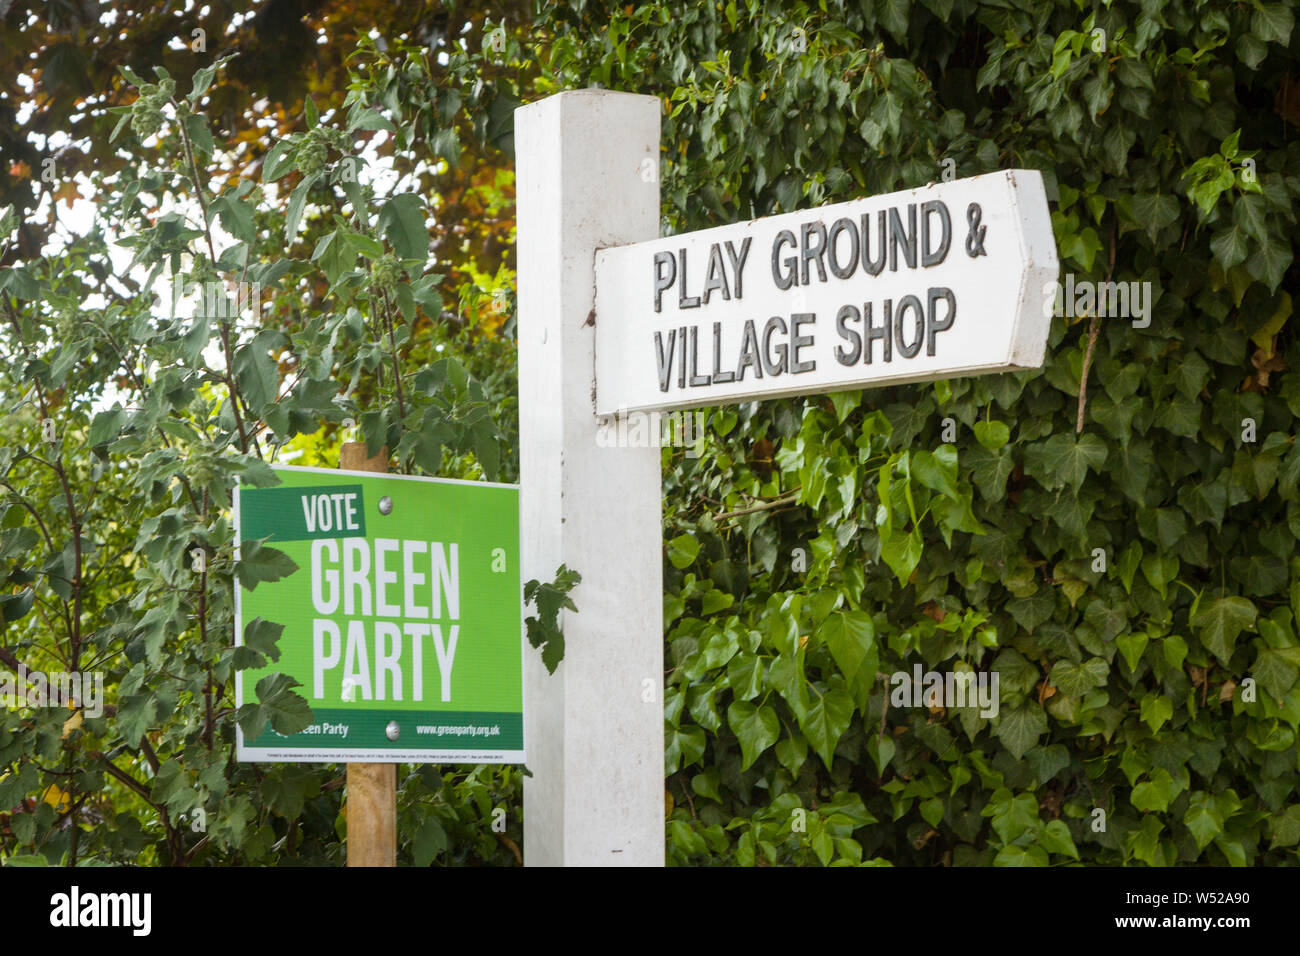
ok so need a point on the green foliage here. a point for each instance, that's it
(1123, 580)
(544, 629)
(129, 418)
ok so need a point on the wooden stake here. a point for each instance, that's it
(371, 787)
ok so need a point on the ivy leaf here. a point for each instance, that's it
(682, 550)
(1219, 623)
(1029, 612)
(989, 471)
(1154, 795)
(786, 675)
(992, 434)
(1154, 212)
(683, 746)
(745, 676)
(1132, 646)
(1077, 679)
(1107, 620)
(902, 553)
(849, 635)
(826, 721)
(1203, 818)
(1272, 23)
(1285, 826)
(1056, 839)
(937, 470)
(1276, 670)
(907, 421)
(1248, 212)
(1065, 459)
(755, 727)
(1229, 246)
(1012, 817)
(1020, 729)
(1155, 710)
(1270, 262)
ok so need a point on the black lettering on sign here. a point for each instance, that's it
(665, 358)
(738, 263)
(685, 301)
(933, 327)
(838, 228)
(781, 363)
(719, 376)
(697, 380)
(663, 280)
(899, 237)
(881, 333)
(847, 314)
(813, 251)
(912, 302)
(791, 275)
(749, 352)
(933, 257)
(798, 342)
(869, 265)
(681, 358)
(715, 278)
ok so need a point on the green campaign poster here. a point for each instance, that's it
(402, 622)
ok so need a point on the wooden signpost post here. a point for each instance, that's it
(948, 280)
(371, 787)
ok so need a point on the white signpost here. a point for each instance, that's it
(930, 283)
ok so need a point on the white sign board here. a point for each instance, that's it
(948, 280)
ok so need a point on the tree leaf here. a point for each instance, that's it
(259, 562)
(287, 711)
(297, 201)
(401, 222)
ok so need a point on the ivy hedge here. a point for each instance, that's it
(1114, 535)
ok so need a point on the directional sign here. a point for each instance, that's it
(938, 282)
(401, 622)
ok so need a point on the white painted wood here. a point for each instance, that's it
(587, 176)
(999, 323)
